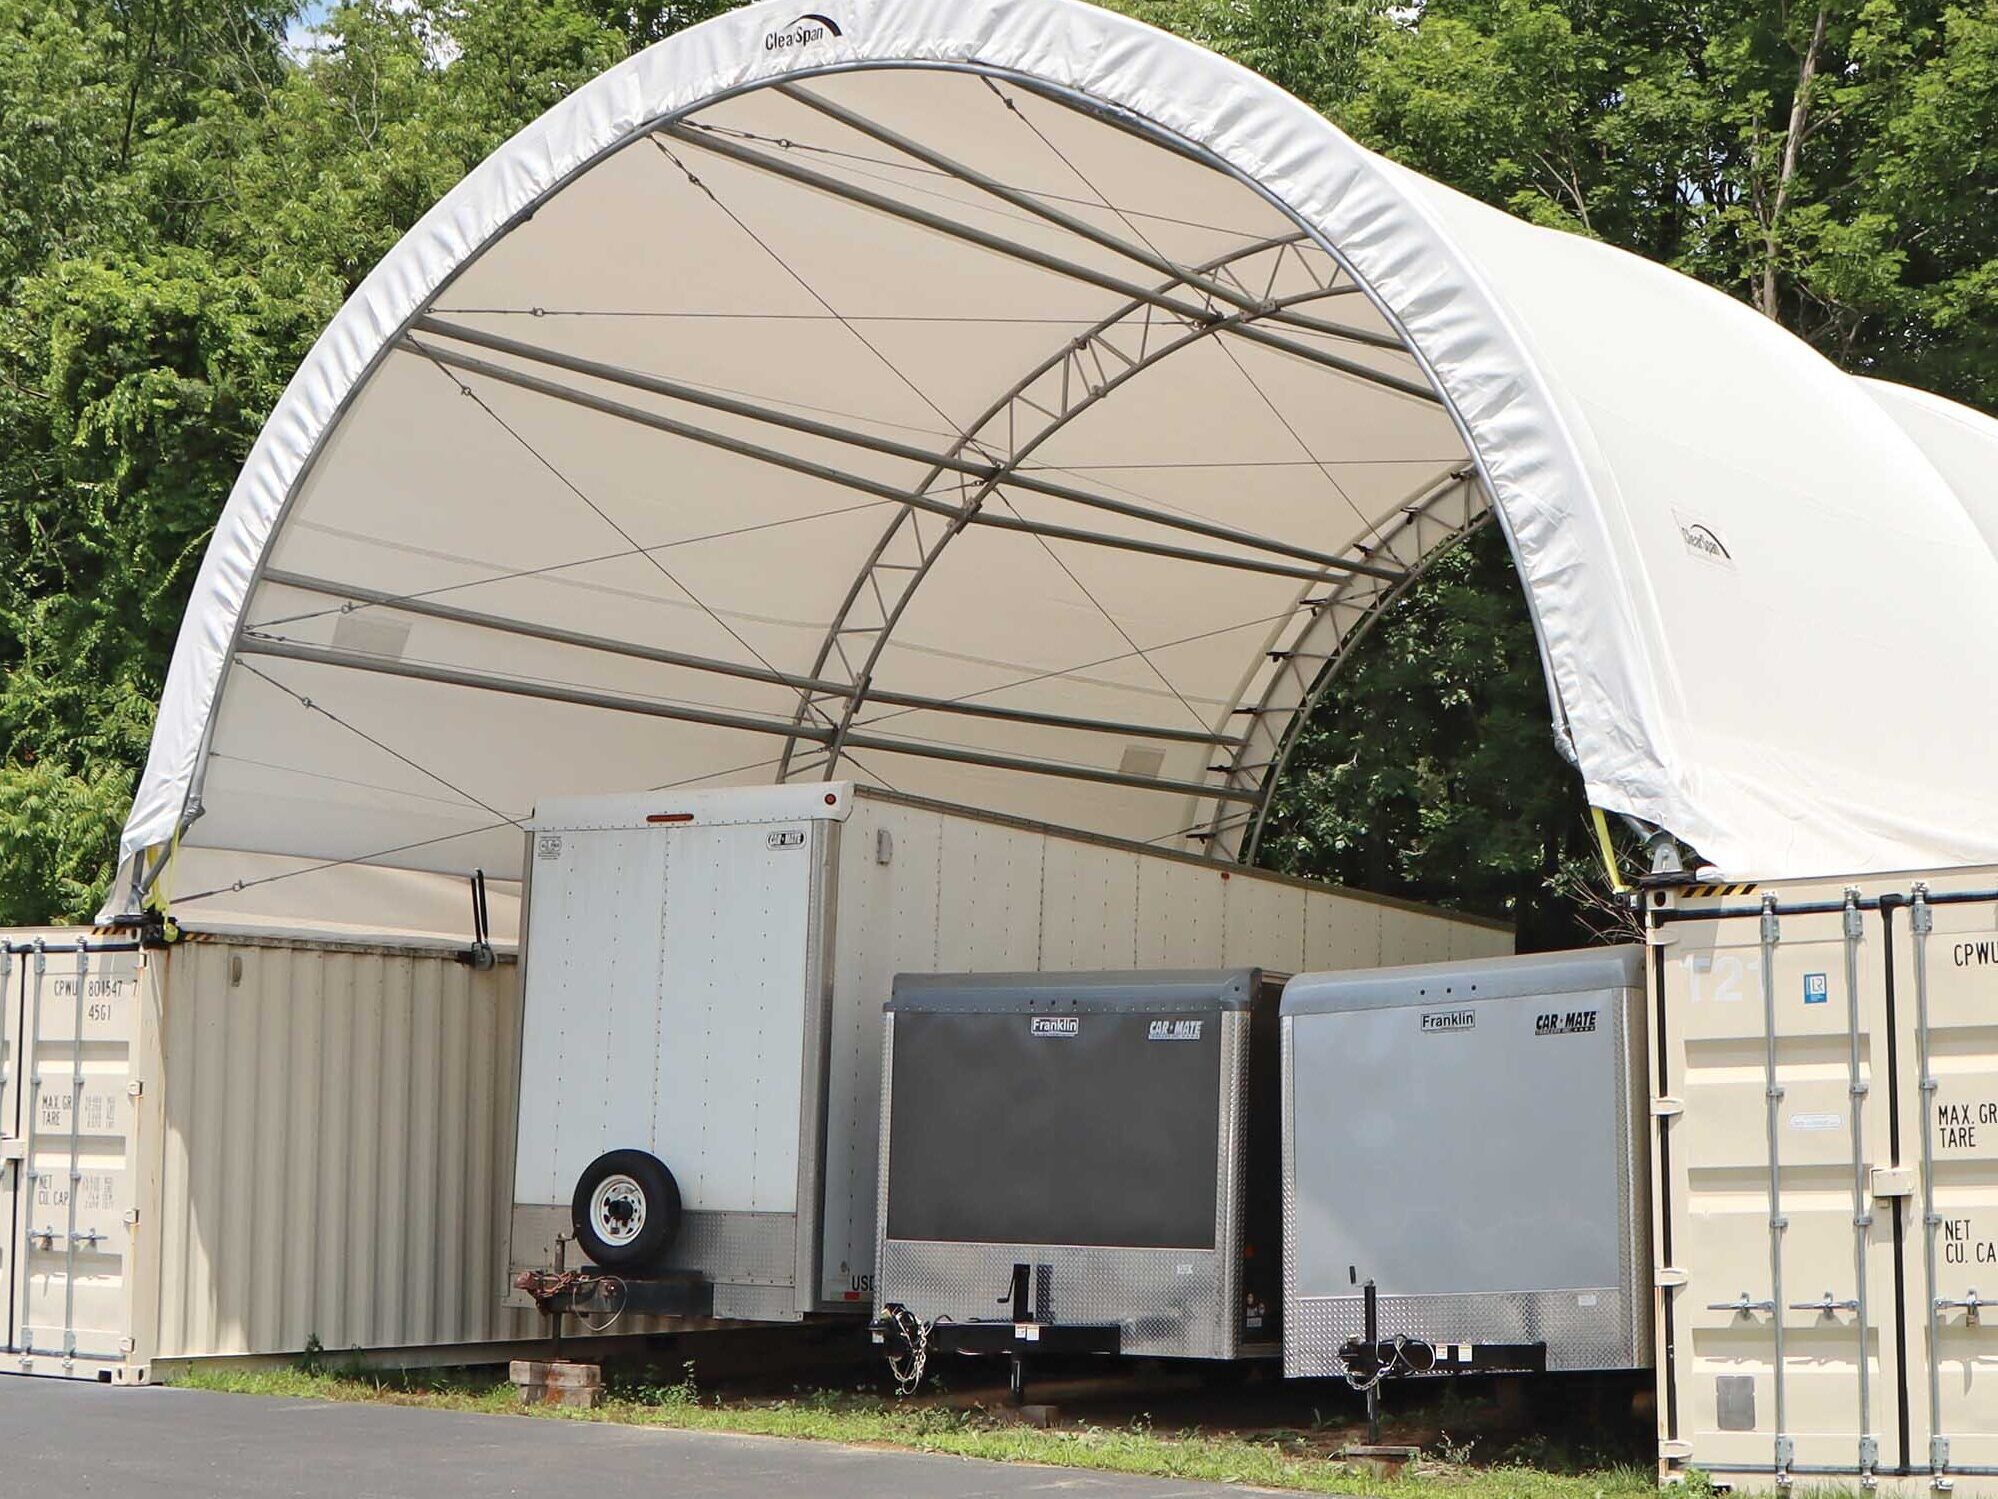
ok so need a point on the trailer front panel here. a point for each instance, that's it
(1099, 1132)
(1468, 1138)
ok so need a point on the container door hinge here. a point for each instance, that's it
(1675, 1449)
(1661, 936)
(131, 1217)
(1670, 1278)
(1667, 1108)
(134, 1088)
(1939, 1464)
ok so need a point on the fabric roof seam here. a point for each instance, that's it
(591, 698)
(1006, 474)
(1146, 255)
(320, 708)
(775, 677)
(739, 133)
(1047, 261)
(813, 469)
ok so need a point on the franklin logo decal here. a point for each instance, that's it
(809, 28)
(1054, 1025)
(1436, 1022)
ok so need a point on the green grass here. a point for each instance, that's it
(1281, 1461)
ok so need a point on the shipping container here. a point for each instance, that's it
(246, 1146)
(1101, 1148)
(1825, 1072)
(1467, 1139)
(705, 975)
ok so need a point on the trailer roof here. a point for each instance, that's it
(1007, 403)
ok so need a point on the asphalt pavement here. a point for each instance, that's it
(58, 1437)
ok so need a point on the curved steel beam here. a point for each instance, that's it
(1089, 367)
(1437, 516)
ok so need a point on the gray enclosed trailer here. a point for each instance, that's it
(1467, 1136)
(1082, 1161)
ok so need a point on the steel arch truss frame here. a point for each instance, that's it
(1425, 528)
(1075, 378)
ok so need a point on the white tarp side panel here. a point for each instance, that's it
(1960, 442)
(1740, 560)
(1012, 354)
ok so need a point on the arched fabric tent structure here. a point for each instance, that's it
(1011, 404)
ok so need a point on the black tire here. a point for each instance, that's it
(639, 1209)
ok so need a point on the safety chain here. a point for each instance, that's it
(906, 1368)
(1398, 1361)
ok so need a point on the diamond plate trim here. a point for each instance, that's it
(1167, 1301)
(1602, 1336)
(742, 1248)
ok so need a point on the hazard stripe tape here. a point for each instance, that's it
(1708, 892)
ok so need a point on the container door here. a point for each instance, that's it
(1947, 976)
(1778, 1269)
(72, 1020)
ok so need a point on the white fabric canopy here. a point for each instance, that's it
(1012, 404)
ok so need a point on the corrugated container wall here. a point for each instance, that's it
(334, 1127)
(279, 1142)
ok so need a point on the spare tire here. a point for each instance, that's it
(626, 1211)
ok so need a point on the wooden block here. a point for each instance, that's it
(567, 1376)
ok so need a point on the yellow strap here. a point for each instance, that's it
(1608, 851)
(160, 898)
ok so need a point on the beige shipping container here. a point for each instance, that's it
(1825, 1074)
(240, 1146)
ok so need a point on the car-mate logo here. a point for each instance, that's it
(1565, 1023)
(1173, 1030)
(1055, 1025)
(1437, 1021)
(809, 28)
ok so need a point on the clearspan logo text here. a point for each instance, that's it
(807, 29)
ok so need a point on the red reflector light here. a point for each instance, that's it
(853, 1295)
(671, 817)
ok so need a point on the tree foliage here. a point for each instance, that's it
(187, 194)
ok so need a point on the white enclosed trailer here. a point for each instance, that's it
(705, 974)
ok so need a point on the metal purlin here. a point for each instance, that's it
(1442, 512)
(1084, 371)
